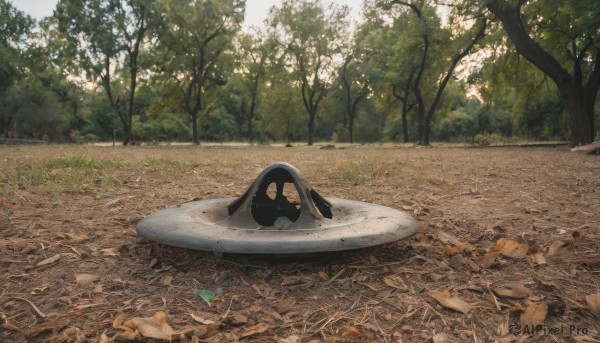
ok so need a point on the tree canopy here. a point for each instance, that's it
(413, 71)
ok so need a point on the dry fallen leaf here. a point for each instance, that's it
(151, 327)
(84, 279)
(397, 337)
(436, 277)
(515, 291)
(202, 320)
(394, 281)
(554, 248)
(488, 260)
(440, 338)
(534, 314)
(510, 248)
(323, 276)
(593, 301)
(458, 249)
(254, 330)
(105, 252)
(291, 280)
(49, 260)
(474, 266)
(5, 324)
(104, 339)
(445, 299)
(356, 334)
(72, 334)
(284, 305)
(166, 281)
(447, 238)
(235, 319)
(538, 258)
(75, 239)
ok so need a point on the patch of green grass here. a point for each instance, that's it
(213, 167)
(362, 171)
(59, 175)
(350, 172)
(78, 163)
(158, 164)
(167, 168)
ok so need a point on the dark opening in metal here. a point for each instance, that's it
(276, 199)
(321, 204)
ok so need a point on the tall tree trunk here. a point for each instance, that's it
(130, 106)
(240, 121)
(250, 129)
(311, 126)
(581, 114)
(405, 106)
(424, 136)
(351, 128)
(405, 121)
(195, 135)
(579, 99)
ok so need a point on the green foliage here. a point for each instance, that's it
(310, 38)
(162, 127)
(15, 27)
(561, 41)
(219, 125)
(341, 134)
(207, 295)
(171, 70)
(457, 124)
(192, 47)
(36, 111)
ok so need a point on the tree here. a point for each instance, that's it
(194, 49)
(36, 110)
(392, 63)
(513, 88)
(554, 40)
(254, 51)
(311, 38)
(105, 37)
(15, 26)
(464, 41)
(355, 84)
(134, 20)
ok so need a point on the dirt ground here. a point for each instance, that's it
(508, 248)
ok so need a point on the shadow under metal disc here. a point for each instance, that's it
(260, 223)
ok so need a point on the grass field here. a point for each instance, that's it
(507, 236)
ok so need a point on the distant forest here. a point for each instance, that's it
(473, 71)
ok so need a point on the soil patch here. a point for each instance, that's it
(508, 244)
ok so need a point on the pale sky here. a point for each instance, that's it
(256, 10)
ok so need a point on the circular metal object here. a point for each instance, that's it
(272, 218)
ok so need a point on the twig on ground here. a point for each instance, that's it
(336, 275)
(487, 286)
(37, 310)
(439, 314)
(228, 308)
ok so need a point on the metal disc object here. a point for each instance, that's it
(280, 213)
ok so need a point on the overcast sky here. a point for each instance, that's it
(256, 10)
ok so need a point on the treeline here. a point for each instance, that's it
(414, 71)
